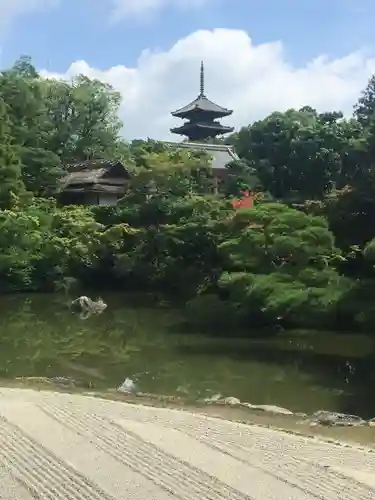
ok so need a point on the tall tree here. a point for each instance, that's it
(364, 110)
(25, 94)
(11, 185)
(25, 68)
(83, 119)
(297, 154)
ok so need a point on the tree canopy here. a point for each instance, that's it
(302, 256)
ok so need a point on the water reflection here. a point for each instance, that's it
(303, 371)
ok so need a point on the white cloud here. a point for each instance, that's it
(140, 8)
(9, 9)
(253, 80)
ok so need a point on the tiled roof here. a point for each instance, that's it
(214, 126)
(201, 103)
(221, 154)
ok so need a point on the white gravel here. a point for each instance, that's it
(70, 447)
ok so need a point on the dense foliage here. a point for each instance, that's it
(304, 255)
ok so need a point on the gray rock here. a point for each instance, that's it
(371, 422)
(273, 409)
(86, 306)
(248, 405)
(63, 381)
(128, 386)
(212, 399)
(231, 401)
(330, 418)
(268, 408)
(301, 414)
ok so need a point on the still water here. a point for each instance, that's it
(302, 371)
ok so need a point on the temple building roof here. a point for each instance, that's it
(221, 154)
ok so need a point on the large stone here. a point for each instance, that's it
(231, 401)
(128, 386)
(212, 399)
(332, 418)
(269, 408)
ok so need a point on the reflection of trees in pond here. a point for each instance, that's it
(40, 337)
(36, 340)
(361, 399)
(352, 378)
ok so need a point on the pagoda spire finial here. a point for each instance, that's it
(202, 80)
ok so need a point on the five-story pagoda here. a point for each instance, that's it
(202, 115)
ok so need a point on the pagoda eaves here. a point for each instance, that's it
(200, 131)
(202, 104)
(201, 114)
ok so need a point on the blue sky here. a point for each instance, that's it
(82, 29)
(260, 56)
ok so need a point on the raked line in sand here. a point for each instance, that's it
(72, 447)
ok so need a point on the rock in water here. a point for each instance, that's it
(86, 306)
(128, 386)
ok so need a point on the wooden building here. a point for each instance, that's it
(94, 182)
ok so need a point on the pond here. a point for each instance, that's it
(302, 371)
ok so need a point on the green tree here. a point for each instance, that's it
(11, 185)
(176, 246)
(240, 176)
(364, 110)
(25, 68)
(279, 268)
(161, 179)
(296, 154)
(272, 237)
(55, 122)
(24, 92)
(83, 119)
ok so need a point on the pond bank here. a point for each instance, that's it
(363, 435)
(354, 435)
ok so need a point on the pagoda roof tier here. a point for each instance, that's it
(201, 130)
(202, 104)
